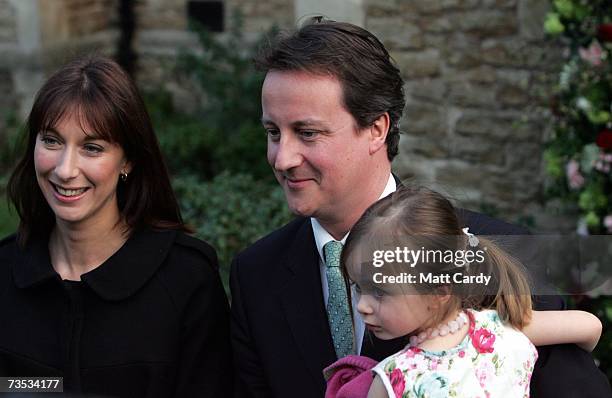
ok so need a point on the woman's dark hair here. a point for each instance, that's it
(98, 93)
(371, 83)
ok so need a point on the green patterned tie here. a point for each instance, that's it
(338, 312)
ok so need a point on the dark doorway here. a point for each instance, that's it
(207, 13)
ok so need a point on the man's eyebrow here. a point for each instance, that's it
(309, 123)
(299, 123)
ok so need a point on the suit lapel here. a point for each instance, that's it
(302, 300)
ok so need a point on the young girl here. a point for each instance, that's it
(469, 335)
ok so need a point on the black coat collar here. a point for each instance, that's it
(117, 278)
(398, 182)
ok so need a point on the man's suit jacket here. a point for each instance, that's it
(281, 339)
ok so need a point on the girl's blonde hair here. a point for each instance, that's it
(417, 212)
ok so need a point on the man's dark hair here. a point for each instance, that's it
(371, 83)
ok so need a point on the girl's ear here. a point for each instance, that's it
(441, 297)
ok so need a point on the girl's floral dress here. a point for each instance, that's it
(493, 360)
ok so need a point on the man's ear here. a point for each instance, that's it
(378, 132)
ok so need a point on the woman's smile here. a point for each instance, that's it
(70, 195)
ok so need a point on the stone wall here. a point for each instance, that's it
(8, 30)
(477, 72)
(162, 34)
(477, 75)
(259, 16)
(161, 14)
(36, 36)
(68, 20)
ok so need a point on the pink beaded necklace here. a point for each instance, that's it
(441, 330)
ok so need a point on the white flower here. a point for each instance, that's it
(583, 104)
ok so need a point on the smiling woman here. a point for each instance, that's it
(101, 285)
(77, 173)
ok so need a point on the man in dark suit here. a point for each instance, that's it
(331, 101)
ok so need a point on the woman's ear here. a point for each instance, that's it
(127, 167)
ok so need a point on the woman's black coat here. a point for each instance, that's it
(151, 321)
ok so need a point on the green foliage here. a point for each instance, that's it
(579, 155)
(10, 148)
(231, 211)
(8, 216)
(224, 132)
(11, 142)
(592, 198)
(554, 163)
(577, 19)
(187, 144)
(578, 158)
(553, 25)
(225, 72)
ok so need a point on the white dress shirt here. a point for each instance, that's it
(321, 238)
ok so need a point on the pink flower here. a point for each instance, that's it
(607, 221)
(483, 340)
(397, 382)
(412, 351)
(592, 54)
(461, 354)
(575, 180)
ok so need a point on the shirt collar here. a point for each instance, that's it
(322, 237)
(117, 278)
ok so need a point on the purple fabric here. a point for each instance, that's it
(349, 377)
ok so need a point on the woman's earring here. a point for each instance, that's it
(123, 175)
